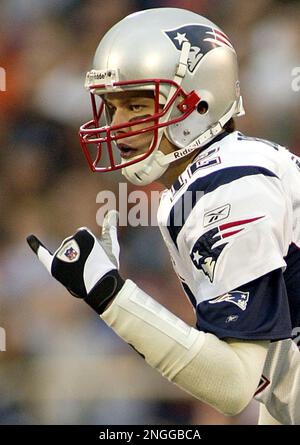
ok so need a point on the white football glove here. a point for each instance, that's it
(86, 266)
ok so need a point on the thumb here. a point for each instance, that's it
(110, 220)
(110, 234)
(43, 254)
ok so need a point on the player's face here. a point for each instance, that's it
(129, 106)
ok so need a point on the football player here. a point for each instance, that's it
(166, 83)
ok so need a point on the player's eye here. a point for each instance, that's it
(136, 108)
(111, 109)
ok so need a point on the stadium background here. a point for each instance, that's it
(62, 365)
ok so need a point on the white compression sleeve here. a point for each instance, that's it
(222, 374)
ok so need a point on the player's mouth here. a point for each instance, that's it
(126, 151)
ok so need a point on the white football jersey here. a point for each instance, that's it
(231, 223)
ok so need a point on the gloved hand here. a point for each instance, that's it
(86, 266)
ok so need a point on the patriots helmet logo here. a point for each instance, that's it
(202, 39)
(236, 297)
(208, 248)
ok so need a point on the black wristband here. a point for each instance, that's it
(104, 291)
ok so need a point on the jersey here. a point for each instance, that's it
(231, 223)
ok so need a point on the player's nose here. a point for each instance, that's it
(119, 117)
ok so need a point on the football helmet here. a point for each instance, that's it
(191, 67)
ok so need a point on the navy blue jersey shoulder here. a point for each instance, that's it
(203, 185)
(258, 310)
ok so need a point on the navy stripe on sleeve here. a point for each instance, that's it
(201, 186)
(258, 310)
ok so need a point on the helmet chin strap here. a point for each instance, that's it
(157, 163)
(149, 170)
(236, 109)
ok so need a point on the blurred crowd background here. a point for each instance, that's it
(61, 364)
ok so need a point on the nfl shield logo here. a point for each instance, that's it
(71, 253)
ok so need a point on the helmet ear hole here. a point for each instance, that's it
(202, 107)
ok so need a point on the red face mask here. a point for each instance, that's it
(96, 140)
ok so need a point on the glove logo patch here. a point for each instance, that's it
(70, 252)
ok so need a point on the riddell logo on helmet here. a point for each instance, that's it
(107, 76)
(180, 154)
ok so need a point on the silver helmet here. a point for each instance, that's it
(191, 67)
